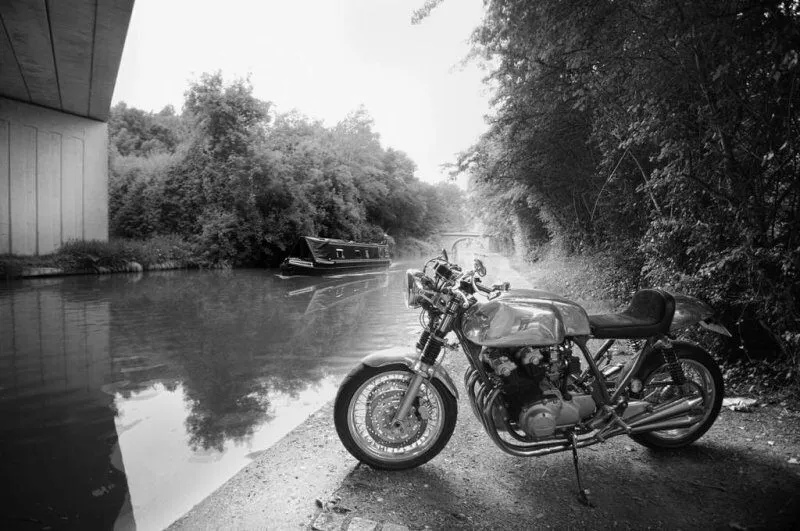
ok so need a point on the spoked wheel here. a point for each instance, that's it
(703, 379)
(364, 411)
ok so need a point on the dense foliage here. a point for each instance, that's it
(244, 183)
(663, 133)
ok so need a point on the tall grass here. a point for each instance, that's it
(77, 255)
(118, 252)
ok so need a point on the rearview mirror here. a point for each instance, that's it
(479, 268)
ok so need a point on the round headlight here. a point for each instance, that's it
(413, 288)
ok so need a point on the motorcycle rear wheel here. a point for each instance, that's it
(365, 405)
(698, 367)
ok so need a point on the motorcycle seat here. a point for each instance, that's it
(649, 313)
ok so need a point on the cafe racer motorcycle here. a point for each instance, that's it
(529, 389)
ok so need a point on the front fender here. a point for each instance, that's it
(400, 355)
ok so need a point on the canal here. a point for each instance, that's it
(127, 399)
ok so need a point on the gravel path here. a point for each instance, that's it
(740, 475)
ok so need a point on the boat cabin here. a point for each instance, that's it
(312, 255)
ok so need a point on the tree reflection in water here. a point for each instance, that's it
(230, 337)
(99, 371)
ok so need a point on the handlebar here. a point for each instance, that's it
(476, 283)
(491, 292)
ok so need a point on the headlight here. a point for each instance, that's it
(413, 291)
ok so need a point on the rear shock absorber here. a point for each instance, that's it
(675, 368)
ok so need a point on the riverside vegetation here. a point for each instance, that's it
(229, 182)
(659, 139)
(242, 182)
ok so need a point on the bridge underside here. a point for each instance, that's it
(58, 67)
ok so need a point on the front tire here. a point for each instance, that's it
(698, 367)
(365, 404)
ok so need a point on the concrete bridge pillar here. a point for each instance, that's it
(53, 179)
(58, 67)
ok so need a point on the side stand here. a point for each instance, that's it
(583, 494)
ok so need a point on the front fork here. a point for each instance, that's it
(430, 346)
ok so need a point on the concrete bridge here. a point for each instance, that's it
(58, 67)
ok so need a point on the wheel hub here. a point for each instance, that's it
(381, 408)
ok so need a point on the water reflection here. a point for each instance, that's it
(124, 400)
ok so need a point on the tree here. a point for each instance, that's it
(661, 132)
(245, 188)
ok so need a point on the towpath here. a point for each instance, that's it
(743, 474)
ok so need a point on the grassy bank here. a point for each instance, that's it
(117, 254)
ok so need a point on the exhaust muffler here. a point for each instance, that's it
(681, 407)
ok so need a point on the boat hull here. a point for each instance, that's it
(293, 266)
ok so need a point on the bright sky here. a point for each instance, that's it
(324, 58)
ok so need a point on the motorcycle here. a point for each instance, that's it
(526, 385)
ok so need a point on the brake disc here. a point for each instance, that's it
(382, 404)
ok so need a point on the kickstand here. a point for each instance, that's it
(583, 494)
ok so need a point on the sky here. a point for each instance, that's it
(323, 58)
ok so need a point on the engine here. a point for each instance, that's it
(535, 386)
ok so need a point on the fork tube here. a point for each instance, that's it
(408, 398)
(428, 362)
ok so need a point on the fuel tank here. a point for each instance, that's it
(524, 317)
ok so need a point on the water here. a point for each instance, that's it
(126, 399)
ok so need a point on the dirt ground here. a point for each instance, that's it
(736, 477)
(743, 474)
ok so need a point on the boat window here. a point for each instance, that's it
(366, 253)
(358, 253)
(339, 253)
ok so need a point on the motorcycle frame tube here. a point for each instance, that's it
(603, 349)
(472, 352)
(595, 370)
(637, 364)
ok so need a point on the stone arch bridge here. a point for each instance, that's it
(452, 242)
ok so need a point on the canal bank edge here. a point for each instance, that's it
(129, 267)
(279, 489)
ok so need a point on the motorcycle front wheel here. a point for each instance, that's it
(364, 410)
(703, 373)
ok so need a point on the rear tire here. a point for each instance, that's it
(699, 367)
(365, 404)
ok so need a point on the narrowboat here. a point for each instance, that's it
(325, 256)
